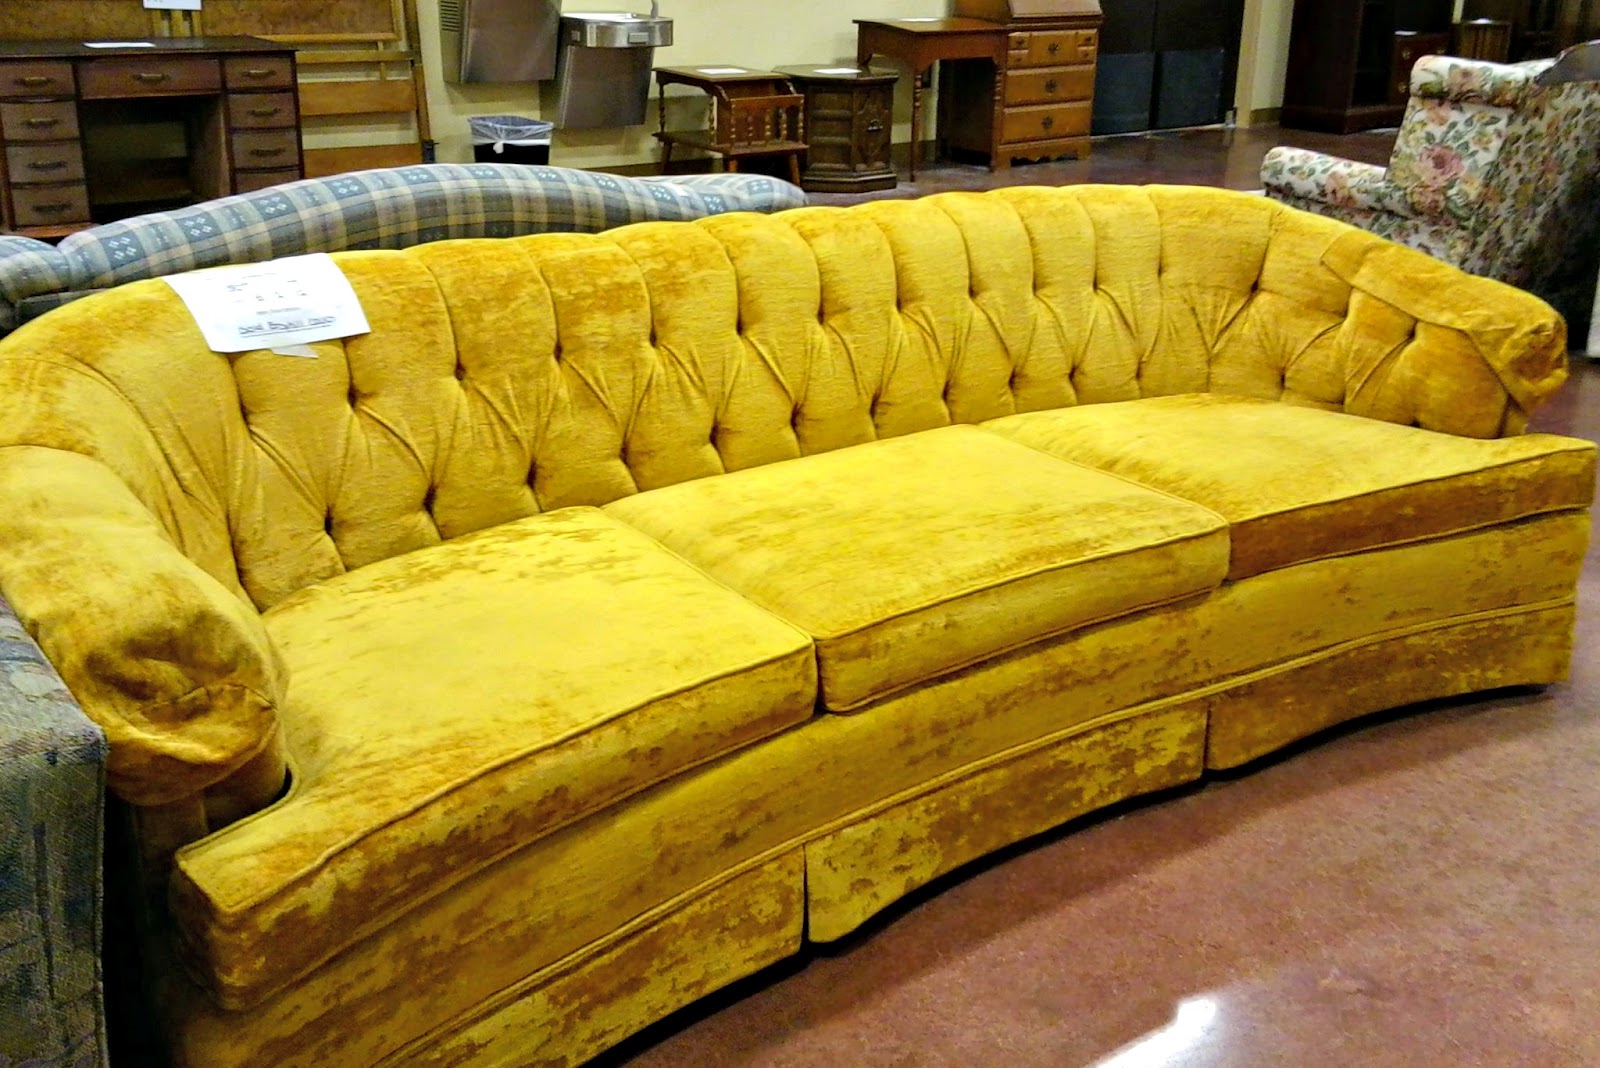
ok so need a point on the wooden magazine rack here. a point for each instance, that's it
(753, 113)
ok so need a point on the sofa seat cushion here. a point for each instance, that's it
(911, 557)
(1300, 484)
(450, 705)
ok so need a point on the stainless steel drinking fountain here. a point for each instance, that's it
(603, 62)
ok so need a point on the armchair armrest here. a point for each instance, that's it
(177, 670)
(1297, 174)
(52, 767)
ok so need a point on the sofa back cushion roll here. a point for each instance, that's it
(506, 377)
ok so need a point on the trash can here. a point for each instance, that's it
(510, 139)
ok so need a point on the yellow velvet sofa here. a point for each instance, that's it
(628, 608)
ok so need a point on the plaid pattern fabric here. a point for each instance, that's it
(52, 767)
(28, 268)
(388, 208)
(396, 208)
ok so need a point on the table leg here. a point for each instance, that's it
(918, 77)
(1593, 349)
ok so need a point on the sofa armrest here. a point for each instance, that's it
(52, 775)
(1297, 174)
(1430, 345)
(176, 669)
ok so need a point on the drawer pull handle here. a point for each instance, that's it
(40, 124)
(257, 72)
(52, 209)
(264, 113)
(875, 126)
(1049, 121)
(151, 77)
(267, 152)
(1054, 47)
(1051, 86)
(47, 165)
(35, 81)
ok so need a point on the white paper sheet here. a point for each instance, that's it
(722, 70)
(280, 304)
(838, 70)
(119, 44)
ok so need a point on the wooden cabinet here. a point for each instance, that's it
(1036, 103)
(1349, 60)
(849, 118)
(95, 134)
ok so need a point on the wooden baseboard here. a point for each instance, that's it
(1263, 116)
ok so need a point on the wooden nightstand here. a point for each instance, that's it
(849, 119)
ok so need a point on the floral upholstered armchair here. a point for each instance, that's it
(1496, 170)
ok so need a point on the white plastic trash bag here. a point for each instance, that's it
(503, 130)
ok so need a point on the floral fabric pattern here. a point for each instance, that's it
(1492, 171)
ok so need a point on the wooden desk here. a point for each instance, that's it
(98, 134)
(753, 113)
(919, 43)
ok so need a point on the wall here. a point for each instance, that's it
(765, 35)
(1263, 58)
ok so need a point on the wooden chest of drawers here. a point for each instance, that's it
(94, 134)
(1036, 104)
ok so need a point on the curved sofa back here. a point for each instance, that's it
(394, 207)
(502, 378)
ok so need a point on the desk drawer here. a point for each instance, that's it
(1050, 48)
(250, 181)
(264, 149)
(49, 205)
(35, 77)
(1049, 84)
(158, 76)
(258, 72)
(1045, 123)
(39, 164)
(56, 121)
(255, 111)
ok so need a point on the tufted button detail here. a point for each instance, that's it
(355, 396)
(327, 523)
(461, 373)
(427, 499)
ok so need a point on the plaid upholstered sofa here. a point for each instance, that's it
(52, 758)
(388, 208)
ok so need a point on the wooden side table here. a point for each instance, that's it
(849, 115)
(919, 43)
(753, 113)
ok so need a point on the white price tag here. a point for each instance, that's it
(280, 304)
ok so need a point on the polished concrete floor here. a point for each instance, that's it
(1416, 889)
(1230, 158)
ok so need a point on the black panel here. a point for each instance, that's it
(1184, 25)
(1130, 26)
(1422, 14)
(1190, 88)
(1123, 89)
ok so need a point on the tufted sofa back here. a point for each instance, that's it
(501, 378)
